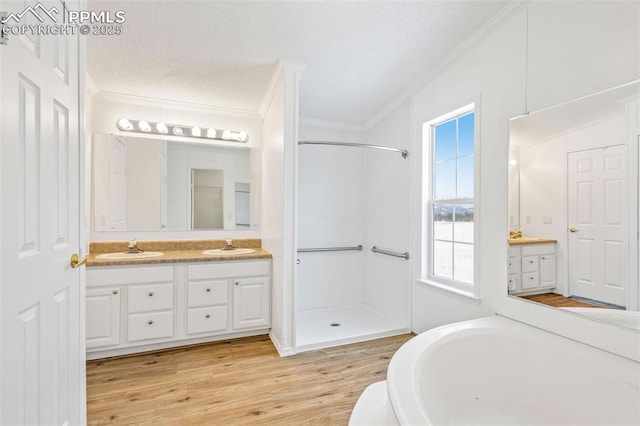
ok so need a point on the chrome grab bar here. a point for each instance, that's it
(403, 152)
(390, 253)
(309, 250)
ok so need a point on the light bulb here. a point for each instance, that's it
(211, 133)
(162, 128)
(125, 124)
(196, 132)
(243, 136)
(178, 131)
(144, 126)
(226, 134)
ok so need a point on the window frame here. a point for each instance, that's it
(428, 185)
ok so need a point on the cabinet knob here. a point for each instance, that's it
(542, 258)
(208, 290)
(531, 261)
(150, 322)
(115, 292)
(236, 282)
(207, 316)
(150, 293)
(531, 278)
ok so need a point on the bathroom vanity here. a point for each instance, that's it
(532, 265)
(182, 297)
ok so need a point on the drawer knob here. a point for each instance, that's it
(115, 292)
(208, 290)
(542, 258)
(531, 261)
(150, 293)
(531, 278)
(207, 316)
(150, 322)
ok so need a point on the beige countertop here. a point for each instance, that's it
(528, 240)
(174, 252)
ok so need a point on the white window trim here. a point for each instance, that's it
(470, 291)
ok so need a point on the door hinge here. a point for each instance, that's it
(3, 38)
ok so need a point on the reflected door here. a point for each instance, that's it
(598, 224)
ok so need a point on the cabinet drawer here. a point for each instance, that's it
(530, 264)
(203, 320)
(207, 293)
(530, 280)
(152, 325)
(154, 297)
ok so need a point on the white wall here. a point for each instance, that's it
(571, 49)
(331, 213)
(108, 108)
(387, 207)
(144, 184)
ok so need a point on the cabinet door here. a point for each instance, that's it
(251, 303)
(548, 270)
(103, 317)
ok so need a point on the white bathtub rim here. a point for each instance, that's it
(406, 366)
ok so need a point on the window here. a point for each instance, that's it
(451, 206)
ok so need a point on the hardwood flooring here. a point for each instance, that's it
(236, 382)
(558, 301)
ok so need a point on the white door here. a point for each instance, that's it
(41, 348)
(598, 224)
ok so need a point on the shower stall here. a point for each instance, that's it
(353, 267)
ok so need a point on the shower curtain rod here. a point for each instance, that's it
(403, 152)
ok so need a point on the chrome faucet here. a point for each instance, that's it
(133, 247)
(229, 245)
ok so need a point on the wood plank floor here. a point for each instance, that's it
(236, 382)
(558, 301)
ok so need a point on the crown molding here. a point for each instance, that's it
(280, 69)
(503, 15)
(91, 86)
(178, 105)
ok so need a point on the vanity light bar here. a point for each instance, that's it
(159, 128)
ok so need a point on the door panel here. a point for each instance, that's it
(41, 350)
(597, 212)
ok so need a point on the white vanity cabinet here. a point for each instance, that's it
(532, 268)
(147, 307)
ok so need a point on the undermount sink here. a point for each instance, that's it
(232, 252)
(125, 255)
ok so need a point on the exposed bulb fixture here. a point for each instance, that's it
(160, 128)
(125, 124)
(144, 126)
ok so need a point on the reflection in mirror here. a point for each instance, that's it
(141, 184)
(570, 219)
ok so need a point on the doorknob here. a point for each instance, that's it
(572, 229)
(76, 262)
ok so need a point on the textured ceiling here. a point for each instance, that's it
(360, 55)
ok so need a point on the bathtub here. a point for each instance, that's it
(495, 371)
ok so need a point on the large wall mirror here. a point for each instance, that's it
(141, 184)
(573, 213)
